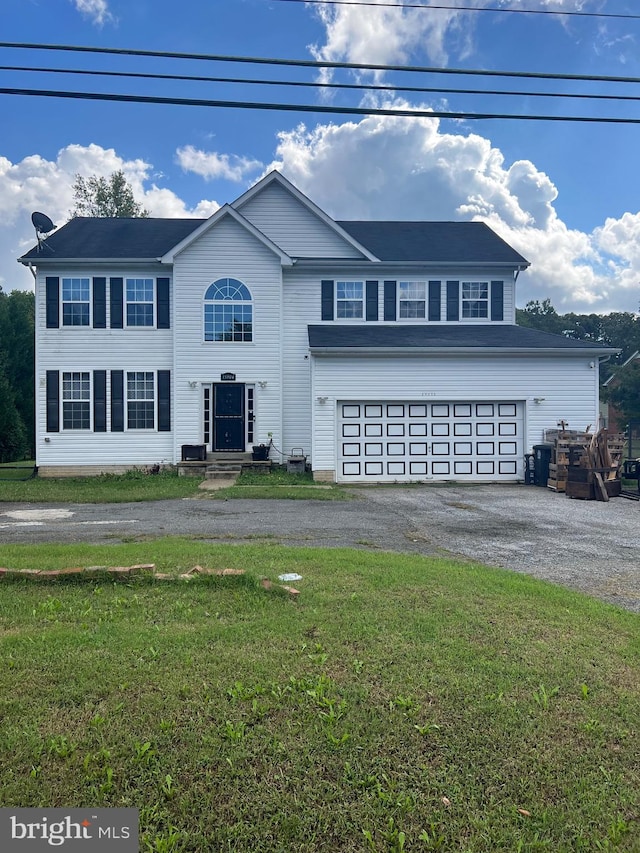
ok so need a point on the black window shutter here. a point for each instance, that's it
(372, 300)
(53, 401)
(434, 300)
(53, 301)
(497, 300)
(164, 401)
(162, 307)
(326, 311)
(389, 300)
(115, 301)
(453, 300)
(117, 401)
(99, 400)
(99, 303)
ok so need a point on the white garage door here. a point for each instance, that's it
(406, 441)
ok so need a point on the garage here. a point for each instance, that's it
(417, 440)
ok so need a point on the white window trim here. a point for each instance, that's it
(213, 302)
(64, 302)
(154, 302)
(337, 301)
(89, 401)
(487, 317)
(140, 430)
(425, 299)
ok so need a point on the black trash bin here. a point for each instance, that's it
(529, 469)
(542, 458)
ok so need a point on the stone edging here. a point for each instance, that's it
(119, 571)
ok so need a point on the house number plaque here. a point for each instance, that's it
(227, 377)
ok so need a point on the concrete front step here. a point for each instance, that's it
(222, 472)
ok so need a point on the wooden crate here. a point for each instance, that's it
(577, 489)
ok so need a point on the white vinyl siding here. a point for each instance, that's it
(293, 227)
(86, 349)
(566, 388)
(227, 250)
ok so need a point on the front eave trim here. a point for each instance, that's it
(62, 262)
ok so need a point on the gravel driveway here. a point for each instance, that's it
(586, 545)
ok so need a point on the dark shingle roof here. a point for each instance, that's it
(446, 242)
(467, 336)
(88, 237)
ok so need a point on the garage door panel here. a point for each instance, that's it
(441, 440)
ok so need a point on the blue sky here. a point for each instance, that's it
(566, 195)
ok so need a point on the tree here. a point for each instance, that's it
(17, 356)
(13, 438)
(624, 391)
(106, 197)
(540, 315)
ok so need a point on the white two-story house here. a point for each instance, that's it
(388, 351)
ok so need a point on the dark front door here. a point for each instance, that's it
(228, 416)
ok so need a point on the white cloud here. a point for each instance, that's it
(96, 10)
(391, 36)
(47, 185)
(211, 165)
(406, 168)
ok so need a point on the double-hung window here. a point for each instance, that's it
(76, 401)
(349, 300)
(412, 300)
(75, 301)
(140, 400)
(140, 301)
(475, 300)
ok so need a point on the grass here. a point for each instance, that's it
(401, 703)
(279, 484)
(137, 485)
(16, 470)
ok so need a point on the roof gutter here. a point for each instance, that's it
(316, 263)
(355, 351)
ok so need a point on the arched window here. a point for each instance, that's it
(228, 311)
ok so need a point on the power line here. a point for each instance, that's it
(557, 12)
(311, 63)
(309, 108)
(376, 87)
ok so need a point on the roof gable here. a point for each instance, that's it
(222, 212)
(249, 202)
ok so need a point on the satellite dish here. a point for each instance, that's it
(43, 226)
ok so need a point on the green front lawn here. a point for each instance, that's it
(400, 703)
(138, 485)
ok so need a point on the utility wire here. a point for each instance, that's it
(442, 7)
(311, 63)
(309, 108)
(376, 87)
(557, 12)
